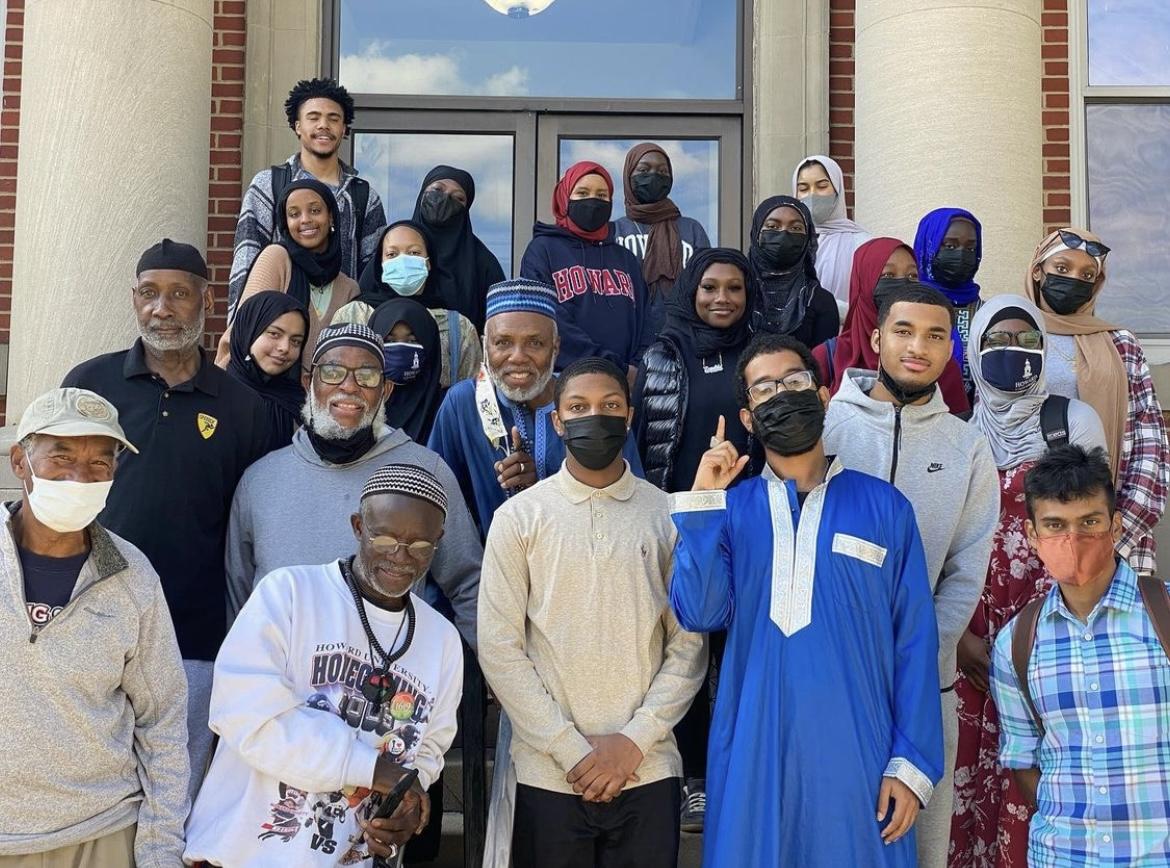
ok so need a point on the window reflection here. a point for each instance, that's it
(1129, 42)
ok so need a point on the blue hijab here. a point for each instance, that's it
(932, 229)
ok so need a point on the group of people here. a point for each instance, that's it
(871, 591)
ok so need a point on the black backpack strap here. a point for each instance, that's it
(281, 178)
(359, 194)
(1156, 598)
(1054, 421)
(1023, 638)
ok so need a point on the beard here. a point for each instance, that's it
(187, 336)
(326, 427)
(521, 396)
(367, 574)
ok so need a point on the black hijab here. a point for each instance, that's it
(283, 393)
(412, 407)
(374, 292)
(309, 268)
(784, 297)
(683, 324)
(465, 266)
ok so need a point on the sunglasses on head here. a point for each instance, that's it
(1073, 241)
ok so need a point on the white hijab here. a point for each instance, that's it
(838, 237)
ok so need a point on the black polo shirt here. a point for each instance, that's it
(172, 500)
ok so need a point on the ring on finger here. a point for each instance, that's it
(521, 466)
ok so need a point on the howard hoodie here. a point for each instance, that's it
(603, 300)
(944, 467)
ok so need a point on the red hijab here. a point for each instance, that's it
(564, 189)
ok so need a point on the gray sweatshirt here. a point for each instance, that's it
(93, 707)
(292, 508)
(945, 469)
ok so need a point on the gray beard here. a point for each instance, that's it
(184, 340)
(328, 428)
(521, 396)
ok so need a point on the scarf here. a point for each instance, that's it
(412, 407)
(253, 316)
(1102, 381)
(662, 263)
(564, 189)
(784, 296)
(309, 268)
(839, 237)
(854, 348)
(932, 229)
(374, 292)
(684, 325)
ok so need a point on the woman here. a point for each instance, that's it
(784, 252)
(949, 248)
(464, 267)
(1103, 365)
(653, 229)
(880, 266)
(603, 300)
(402, 270)
(267, 340)
(1009, 361)
(412, 353)
(305, 261)
(820, 184)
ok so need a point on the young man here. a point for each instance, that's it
(334, 681)
(827, 710)
(580, 646)
(320, 112)
(94, 769)
(894, 424)
(1088, 736)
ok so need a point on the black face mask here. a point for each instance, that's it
(590, 214)
(595, 441)
(790, 423)
(780, 248)
(1065, 295)
(954, 267)
(886, 286)
(899, 392)
(650, 187)
(439, 208)
(345, 451)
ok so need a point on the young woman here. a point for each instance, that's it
(412, 353)
(819, 182)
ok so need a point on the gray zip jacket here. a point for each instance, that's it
(93, 707)
(944, 467)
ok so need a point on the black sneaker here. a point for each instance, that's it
(694, 805)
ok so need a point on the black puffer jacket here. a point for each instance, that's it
(660, 396)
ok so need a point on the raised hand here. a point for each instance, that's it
(518, 470)
(720, 464)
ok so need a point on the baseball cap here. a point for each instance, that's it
(72, 412)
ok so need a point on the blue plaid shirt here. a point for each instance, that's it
(1102, 688)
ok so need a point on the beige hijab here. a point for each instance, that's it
(1102, 381)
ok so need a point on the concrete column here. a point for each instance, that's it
(113, 156)
(948, 113)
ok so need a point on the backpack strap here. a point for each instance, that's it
(1156, 598)
(1023, 638)
(830, 349)
(281, 178)
(359, 194)
(454, 345)
(1054, 421)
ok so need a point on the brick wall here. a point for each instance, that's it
(9, 141)
(842, 36)
(1055, 86)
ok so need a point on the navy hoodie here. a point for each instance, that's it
(603, 297)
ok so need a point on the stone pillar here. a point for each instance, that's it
(113, 156)
(948, 113)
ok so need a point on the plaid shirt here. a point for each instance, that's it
(1102, 688)
(1144, 469)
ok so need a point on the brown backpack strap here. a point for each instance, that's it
(1023, 638)
(1156, 598)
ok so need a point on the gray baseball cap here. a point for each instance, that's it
(72, 413)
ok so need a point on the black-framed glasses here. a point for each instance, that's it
(334, 375)
(1073, 241)
(1031, 339)
(800, 381)
(420, 549)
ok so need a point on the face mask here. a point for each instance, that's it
(590, 214)
(438, 208)
(66, 506)
(780, 248)
(886, 286)
(790, 423)
(821, 207)
(595, 441)
(403, 361)
(405, 274)
(1065, 295)
(1011, 369)
(899, 392)
(954, 267)
(1075, 558)
(650, 187)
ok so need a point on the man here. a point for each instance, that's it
(199, 430)
(894, 424)
(580, 646)
(320, 112)
(280, 515)
(827, 706)
(94, 768)
(496, 431)
(1087, 731)
(333, 682)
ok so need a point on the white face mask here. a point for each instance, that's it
(66, 506)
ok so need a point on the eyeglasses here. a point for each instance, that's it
(800, 381)
(1073, 241)
(335, 375)
(1032, 339)
(419, 549)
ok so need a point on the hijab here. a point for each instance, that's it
(564, 189)
(412, 407)
(839, 237)
(662, 262)
(932, 229)
(374, 292)
(1102, 381)
(683, 323)
(309, 268)
(465, 267)
(784, 297)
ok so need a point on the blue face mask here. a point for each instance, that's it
(405, 274)
(1011, 369)
(403, 362)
